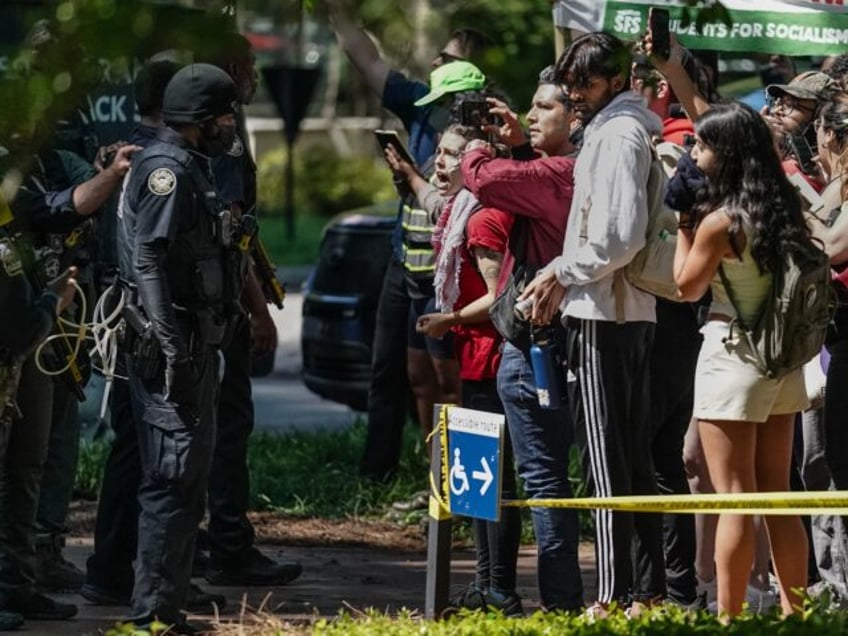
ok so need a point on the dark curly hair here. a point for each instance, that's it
(839, 70)
(749, 178)
(834, 118)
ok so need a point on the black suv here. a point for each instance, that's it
(340, 304)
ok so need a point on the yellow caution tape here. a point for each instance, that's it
(758, 503)
(6, 215)
(439, 507)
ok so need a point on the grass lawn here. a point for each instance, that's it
(303, 248)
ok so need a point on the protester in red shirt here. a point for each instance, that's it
(470, 241)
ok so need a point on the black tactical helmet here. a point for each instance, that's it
(197, 93)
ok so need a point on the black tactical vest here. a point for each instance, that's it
(199, 261)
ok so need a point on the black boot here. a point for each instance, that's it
(252, 568)
(201, 602)
(10, 620)
(37, 607)
(53, 572)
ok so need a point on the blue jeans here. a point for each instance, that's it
(541, 439)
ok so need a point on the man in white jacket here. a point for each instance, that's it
(610, 323)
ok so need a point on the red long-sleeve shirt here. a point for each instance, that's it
(539, 188)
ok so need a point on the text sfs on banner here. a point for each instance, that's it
(475, 440)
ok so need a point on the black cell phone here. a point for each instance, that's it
(660, 38)
(802, 152)
(475, 113)
(386, 137)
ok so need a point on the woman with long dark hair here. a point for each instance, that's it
(830, 225)
(746, 219)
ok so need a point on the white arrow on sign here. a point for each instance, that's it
(484, 475)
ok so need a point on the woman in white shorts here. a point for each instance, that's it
(748, 216)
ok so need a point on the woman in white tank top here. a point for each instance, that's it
(747, 217)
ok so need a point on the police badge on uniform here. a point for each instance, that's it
(237, 149)
(10, 258)
(162, 181)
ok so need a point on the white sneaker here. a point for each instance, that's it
(760, 601)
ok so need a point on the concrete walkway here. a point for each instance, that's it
(333, 579)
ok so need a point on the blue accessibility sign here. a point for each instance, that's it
(475, 439)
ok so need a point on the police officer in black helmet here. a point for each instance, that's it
(174, 251)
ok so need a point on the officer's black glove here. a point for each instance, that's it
(181, 383)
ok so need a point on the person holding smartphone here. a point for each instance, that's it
(401, 361)
(790, 113)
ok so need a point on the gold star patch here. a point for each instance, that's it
(162, 181)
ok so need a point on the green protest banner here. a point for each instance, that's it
(800, 27)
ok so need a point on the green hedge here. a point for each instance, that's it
(325, 183)
(668, 621)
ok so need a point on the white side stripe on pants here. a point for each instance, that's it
(594, 414)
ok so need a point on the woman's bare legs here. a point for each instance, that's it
(730, 450)
(787, 536)
(698, 476)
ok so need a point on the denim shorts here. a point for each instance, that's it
(440, 348)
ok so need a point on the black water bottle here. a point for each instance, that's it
(547, 368)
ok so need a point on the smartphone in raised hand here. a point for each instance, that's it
(803, 153)
(386, 137)
(475, 113)
(660, 36)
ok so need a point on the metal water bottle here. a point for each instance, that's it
(547, 368)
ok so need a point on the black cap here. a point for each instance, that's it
(198, 93)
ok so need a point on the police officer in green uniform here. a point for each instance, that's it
(38, 212)
(26, 317)
(55, 170)
(175, 255)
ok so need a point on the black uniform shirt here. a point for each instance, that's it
(166, 242)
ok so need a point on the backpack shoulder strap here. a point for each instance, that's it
(731, 295)
(518, 238)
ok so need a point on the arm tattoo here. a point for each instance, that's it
(489, 263)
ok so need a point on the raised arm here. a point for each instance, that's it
(360, 48)
(674, 71)
(92, 194)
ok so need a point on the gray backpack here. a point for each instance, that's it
(652, 269)
(792, 324)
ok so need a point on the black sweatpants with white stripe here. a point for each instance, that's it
(609, 391)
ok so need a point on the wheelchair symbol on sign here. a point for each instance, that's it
(457, 472)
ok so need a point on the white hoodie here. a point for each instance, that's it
(609, 212)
